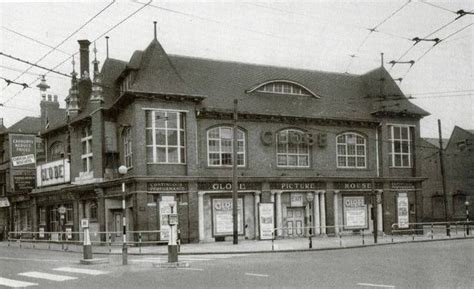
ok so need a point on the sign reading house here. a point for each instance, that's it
(22, 149)
(53, 173)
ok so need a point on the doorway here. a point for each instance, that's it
(295, 222)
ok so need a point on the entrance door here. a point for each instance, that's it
(118, 224)
(295, 222)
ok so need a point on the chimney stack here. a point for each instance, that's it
(84, 58)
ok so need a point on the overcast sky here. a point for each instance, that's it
(320, 35)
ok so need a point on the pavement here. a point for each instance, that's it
(248, 246)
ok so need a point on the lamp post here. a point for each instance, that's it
(310, 198)
(122, 171)
(467, 217)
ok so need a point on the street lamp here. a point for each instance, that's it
(122, 171)
(310, 198)
(467, 217)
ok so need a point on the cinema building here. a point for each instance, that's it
(315, 149)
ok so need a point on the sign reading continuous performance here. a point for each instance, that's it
(222, 217)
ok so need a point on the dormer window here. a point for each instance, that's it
(126, 83)
(283, 87)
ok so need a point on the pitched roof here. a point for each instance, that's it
(435, 141)
(27, 124)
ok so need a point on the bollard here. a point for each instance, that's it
(140, 242)
(173, 234)
(392, 236)
(310, 242)
(273, 239)
(8, 239)
(109, 238)
(87, 245)
(20, 239)
(34, 241)
(363, 241)
(413, 235)
(432, 236)
(340, 239)
(49, 242)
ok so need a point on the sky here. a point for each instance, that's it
(318, 35)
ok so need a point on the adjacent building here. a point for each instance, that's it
(315, 150)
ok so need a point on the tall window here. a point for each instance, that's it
(400, 146)
(56, 151)
(165, 137)
(69, 213)
(86, 155)
(127, 147)
(220, 144)
(42, 216)
(292, 150)
(351, 151)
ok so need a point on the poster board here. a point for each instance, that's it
(22, 150)
(222, 217)
(165, 209)
(402, 211)
(266, 217)
(355, 212)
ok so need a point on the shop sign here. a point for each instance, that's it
(165, 210)
(4, 202)
(402, 209)
(24, 183)
(295, 138)
(167, 187)
(402, 186)
(228, 186)
(53, 173)
(297, 186)
(266, 217)
(355, 213)
(296, 200)
(222, 216)
(22, 149)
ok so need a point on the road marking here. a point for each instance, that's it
(256, 275)
(375, 285)
(52, 277)
(82, 271)
(31, 259)
(15, 283)
(191, 269)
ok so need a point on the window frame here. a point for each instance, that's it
(221, 152)
(58, 146)
(347, 155)
(287, 154)
(401, 140)
(180, 127)
(127, 147)
(88, 155)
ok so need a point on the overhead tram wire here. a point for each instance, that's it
(64, 61)
(32, 65)
(437, 6)
(442, 92)
(62, 42)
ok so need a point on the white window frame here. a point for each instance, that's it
(392, 153)
(347, 155)
(87, 139)
(298, 154)
(180, 127)
(291, 88)
(220, 151)
(127, 147)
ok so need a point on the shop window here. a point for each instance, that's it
(93, 212)
(220, 146)
(86, 156)
(42, 216)
(69, 213)
(56, 151)
(292, 150)
(127, 147)
(351, 151)
(400, 146)
(165, 137)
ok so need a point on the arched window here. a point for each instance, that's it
(56, 151)
(292, 150)
(219, 146)
(351, 150)
(127, 147)
(283, 87)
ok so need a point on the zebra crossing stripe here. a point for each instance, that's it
(47, 276)
(15, 283)
(80, 271)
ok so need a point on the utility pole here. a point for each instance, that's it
(443, 179)
(374, 211)
(235, 220)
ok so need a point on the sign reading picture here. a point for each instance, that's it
(402, 210)
(266, 217)
(355, 213)
(222, 217)
(165, 211)
(22, 149)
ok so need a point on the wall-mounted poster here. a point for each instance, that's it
(165, 210)
(222, 214)
(355, 213)
(402, 210)
(266, 217)
(22, 149)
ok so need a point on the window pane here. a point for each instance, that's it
(277, 87)
(226, 145)
(360, 150)
(91, 164)
(396, 132)
(84, 147)
(160, 119)
(360, 162)
(182, 118)
(148, 118)
(172, 155)
(240, 146)
(172, 137)
(405, 160)
(286, 88)
(240, 135)
(405, 147)
(84, 164)
(292, 148)
(149, 154)
(360, 140)
(341, 149)
(397, 146)
(351, 150)
(341, 139)
(172, 120)
(303, 161)
(161, 155)
(282, 137)
(182, 138)
(213, 146)
(398, 161)
(281, 159)
(351, 162)
(404, 132)
(240, 159)
(292, 160)
(226, 133)
(226, 159)
(214, 133)
(214, 159)
(183, 155)
(341, 161)
(281, 148)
